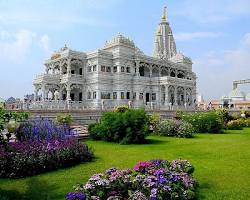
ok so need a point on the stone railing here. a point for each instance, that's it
(73, 78)
(48, 78)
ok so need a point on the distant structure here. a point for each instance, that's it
(236, 99)
(119, 73)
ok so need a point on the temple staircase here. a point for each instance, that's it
(81, 131)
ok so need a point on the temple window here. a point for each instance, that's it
(89, 95)
(122, 69)
(72, 71)
(134, 95)
(172, 74)
(94, 68)
(115, 69)
(103, 68)
(105, 95)
(128, 69)
(128, 95)
(80, 71)
(94, 95)
(122, 95)
(153, 96)
(108, 69)
(141, 96)
(114, 95)
(89, 69)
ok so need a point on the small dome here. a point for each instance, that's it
(237, 93)
(119, 39)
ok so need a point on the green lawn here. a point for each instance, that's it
(222, 166)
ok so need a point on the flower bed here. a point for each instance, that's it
(155, 179)
(43, 129)
(27, 158)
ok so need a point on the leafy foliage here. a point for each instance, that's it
(62, 118)
(154, 120)
(121, 109)
(175, 128)
(235, 125)
(205, 122)
(122, 127)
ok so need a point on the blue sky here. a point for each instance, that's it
(215, 34)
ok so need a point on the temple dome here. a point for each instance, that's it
(119, 39)
(236, 94)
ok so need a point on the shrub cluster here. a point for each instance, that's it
(235, 124)
(205, 122)
(154, 121)
(62, 118)
(155, 179)
(6, 116)
(130, 126)
(176, 128)
(26, 158)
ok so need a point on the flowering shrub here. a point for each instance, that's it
(185, 129)
(126, 127)
(154, 121)
(205, 122)
(64, 118)
(235, 125)
(42, 129)
(176, 128)
(155, 179)
(27, 158)
(245, 122)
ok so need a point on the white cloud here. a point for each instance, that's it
(15, 47)
(195, 35)
(45, 43)
(213, 11)
(217, 70)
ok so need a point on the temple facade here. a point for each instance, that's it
(119, 73)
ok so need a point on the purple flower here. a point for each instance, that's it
(75, 196)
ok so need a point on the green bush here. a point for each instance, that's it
(154, 120)
(175, 128)
(126, 127)
(235, 125)
(185, 130)
(224, 114)
(121, 109)
(235, 116)
(205, 122)
(245, 122)
(64, 118)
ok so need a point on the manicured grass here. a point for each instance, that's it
(222, 166)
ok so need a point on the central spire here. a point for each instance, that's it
(164, 44)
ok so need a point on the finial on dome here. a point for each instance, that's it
(164, 16)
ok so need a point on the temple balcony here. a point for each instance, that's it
(72, 78)
(47, 78)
